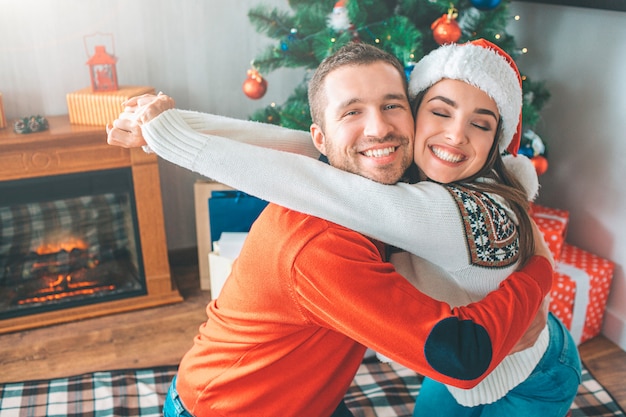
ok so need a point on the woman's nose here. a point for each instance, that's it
(455, 132)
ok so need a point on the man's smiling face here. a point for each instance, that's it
(368, 125)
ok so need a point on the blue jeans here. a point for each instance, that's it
(174, 407)
(547, 392)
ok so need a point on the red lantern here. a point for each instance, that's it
(102, 70)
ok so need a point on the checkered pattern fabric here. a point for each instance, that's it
(378, 390)
(593, 400)
(383, 389)
(137, 393)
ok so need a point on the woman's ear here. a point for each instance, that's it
(319, 139)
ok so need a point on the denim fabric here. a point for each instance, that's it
(173, 406)
(342, 411)
(548, 391)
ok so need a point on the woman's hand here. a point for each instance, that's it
(125, 131)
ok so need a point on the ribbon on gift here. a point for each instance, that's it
(581, 298)
(549, 216)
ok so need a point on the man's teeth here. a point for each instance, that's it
(448, 157)
(377, 153)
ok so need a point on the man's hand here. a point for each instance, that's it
(530, 337)
(541, 248)
(126, 130)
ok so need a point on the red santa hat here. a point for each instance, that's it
(485, 66)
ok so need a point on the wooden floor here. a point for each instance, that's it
(160, 336)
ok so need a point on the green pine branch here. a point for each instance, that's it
(401, 27)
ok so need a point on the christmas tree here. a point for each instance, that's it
(409, 29)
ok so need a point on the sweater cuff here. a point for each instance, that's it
(172, 139)
(541, 271)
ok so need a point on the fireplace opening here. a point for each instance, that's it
(67, 241)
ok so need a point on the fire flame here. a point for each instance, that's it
(66, 245)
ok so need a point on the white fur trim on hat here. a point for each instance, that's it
(481, 67)
(523, 169)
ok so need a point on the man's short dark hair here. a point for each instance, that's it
(351, 54)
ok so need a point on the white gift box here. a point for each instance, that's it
(226, 250)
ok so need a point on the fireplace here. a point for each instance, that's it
(81, 228)
(68, 240)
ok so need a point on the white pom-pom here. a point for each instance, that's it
(524, 170)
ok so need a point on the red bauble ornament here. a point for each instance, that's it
(254, 86)
(540, 163)
(446, 29)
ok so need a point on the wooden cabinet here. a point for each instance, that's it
(66, 148)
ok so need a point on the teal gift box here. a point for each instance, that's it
(232, 211)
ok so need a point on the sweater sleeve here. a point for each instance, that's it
(457, 346)
(254, 133)
(403, 215)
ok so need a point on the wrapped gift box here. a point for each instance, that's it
(553, 225)
(97, 109)
(562, 298)
(226, 250)
(232, 211)
(581, 289)
(219, 269)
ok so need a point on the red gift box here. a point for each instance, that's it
(591, 277)
(553, 225)
(562, 298)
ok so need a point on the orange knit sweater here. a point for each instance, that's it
(305, 296)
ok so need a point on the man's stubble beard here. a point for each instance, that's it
(389, 174)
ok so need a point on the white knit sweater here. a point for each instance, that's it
(425, 219)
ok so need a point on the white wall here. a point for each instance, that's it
(198, 51)
(581, 54)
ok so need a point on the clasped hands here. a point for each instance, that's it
(125, 131)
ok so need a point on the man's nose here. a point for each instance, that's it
(377, 125)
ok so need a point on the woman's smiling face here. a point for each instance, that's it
(455, 127)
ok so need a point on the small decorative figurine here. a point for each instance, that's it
(30, 124)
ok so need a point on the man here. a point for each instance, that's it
(289, 329)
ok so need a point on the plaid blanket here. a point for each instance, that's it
(378, 390)
(388, 390)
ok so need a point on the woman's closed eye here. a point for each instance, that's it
(440, 114)
(482, 126)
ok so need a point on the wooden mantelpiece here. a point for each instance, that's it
(64, 149)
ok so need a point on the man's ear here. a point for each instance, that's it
(319, 140)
